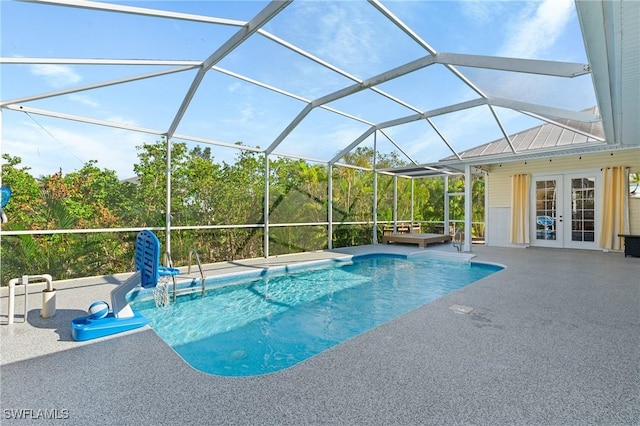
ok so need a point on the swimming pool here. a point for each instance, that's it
(257, 325)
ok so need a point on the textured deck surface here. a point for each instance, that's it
(551, 340)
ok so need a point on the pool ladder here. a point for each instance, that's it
(457, 241)
(193, 252)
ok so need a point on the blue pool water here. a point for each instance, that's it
(265, 324)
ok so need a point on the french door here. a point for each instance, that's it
(565, 210)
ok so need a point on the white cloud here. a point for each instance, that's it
(247, 114)
(122, 120)
(56, 76)
(340, 43)
(84, 100)
(537, 29)
(320, 144)
(480, 10)
(45, 152)
(233, 87)
(342, 34)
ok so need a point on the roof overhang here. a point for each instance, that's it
(454, 166)
(610, 31)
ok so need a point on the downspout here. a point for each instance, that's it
(468, 206)
(486, 208)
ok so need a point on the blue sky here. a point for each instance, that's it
(351, 35)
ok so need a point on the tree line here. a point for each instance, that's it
(204, 192)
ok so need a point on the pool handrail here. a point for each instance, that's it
(202, 279)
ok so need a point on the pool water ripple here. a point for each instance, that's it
(259, 326)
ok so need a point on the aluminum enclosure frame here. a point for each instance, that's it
(600, 23)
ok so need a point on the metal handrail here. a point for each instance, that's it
(167, 256)
(193, 251)
(457, 241)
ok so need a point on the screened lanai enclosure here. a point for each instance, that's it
(251, 128)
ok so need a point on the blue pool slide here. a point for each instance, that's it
(122, 317)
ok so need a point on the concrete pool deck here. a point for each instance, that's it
(554, 339)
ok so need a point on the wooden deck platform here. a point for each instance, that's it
(422, 240)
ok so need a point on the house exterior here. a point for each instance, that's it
(569, 189)
(563, 198)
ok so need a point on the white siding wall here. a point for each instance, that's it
(499, 191)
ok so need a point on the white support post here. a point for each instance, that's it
(395, 203)
(266, 205)
(468, 207)
(167, 220)
(412, 201)
(446, 230)
(486, 208)
(375, 191)
(330, 206)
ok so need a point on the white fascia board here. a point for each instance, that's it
(584, 148)
(593, 24)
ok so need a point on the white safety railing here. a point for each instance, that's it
(48, 295)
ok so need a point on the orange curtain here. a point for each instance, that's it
(615, 207)
(520, 208)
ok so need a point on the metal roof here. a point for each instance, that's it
(610, 31)
(562, 133)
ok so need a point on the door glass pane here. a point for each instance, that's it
(582, 209)
(546, 209)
